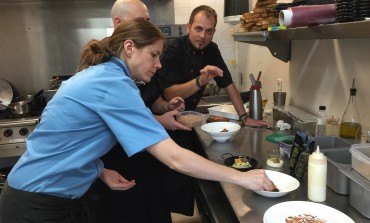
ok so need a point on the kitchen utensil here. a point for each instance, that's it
(255, 104)
(229, 160)
(6, 94)
(20, 107)
(283, 182)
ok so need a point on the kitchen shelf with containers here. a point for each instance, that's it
(279, 41)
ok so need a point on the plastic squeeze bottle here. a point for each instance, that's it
(317, 171)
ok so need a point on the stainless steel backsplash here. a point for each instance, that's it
(42, 38)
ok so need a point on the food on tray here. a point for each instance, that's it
(241, 162)
(190, 119)
(304, 218)
(217, 119)
(224, 130)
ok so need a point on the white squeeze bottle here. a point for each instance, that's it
(317, 170)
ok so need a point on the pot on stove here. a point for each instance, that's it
(28, 104)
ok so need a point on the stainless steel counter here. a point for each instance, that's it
(246, 205)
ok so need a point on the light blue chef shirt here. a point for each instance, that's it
(88, 114)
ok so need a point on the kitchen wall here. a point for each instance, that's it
(320, 72)
(43, 38)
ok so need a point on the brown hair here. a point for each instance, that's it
(210, 12)
(139, 30)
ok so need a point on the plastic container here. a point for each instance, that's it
(191, 118)
(317, 176)
(361, 159)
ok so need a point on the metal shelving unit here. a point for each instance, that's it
(279, 42)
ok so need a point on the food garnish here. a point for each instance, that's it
(304, 218)
(274, 189)
(241, 162)
(224, 130)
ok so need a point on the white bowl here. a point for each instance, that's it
(215, 130)
(283, 182)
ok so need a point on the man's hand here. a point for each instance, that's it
(169, 122)
(115, 181)
(208, 73)
(176, 103)
(256, 123)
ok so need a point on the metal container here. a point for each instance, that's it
(255, 104)
(359, 193)
(337, 180)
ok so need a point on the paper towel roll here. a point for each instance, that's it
(308, 15)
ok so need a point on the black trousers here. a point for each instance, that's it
(144, 203)
(18, 206)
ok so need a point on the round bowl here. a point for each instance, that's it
(283, 182)
(221, 131)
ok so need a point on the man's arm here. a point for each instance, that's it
(189, 88)
(237, 101)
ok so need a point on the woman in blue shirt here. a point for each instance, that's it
(94, 109)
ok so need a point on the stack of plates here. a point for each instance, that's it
(346, 10)
(363, 9)
(352, 10)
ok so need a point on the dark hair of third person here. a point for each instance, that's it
(139, 30)
(210, 12)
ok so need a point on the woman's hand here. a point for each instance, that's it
(176, 103)
(256, 180)
(115, 181)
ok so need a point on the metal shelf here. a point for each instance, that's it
(278, 42)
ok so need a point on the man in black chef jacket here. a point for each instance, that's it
(188, 64)
(144, 203)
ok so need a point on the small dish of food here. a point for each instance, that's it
(274, 158)
(283, 182)
(221, 131)
(241, 163)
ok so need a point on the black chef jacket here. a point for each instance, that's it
(182, 63)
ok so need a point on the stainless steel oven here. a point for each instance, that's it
(14, 131)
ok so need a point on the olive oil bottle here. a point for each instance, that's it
(350, 123)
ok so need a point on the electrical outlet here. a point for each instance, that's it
(279, 84)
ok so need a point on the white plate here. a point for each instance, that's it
(283, 182)
(279, 212)
(227, 111)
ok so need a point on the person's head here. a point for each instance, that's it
(202, 26)
(128, 9)
(137, 42)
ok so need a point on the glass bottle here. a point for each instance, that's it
(321, 121)
(350, 123)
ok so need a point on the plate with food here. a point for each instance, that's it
(283, 184)
(304, 211)
(242, 163)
